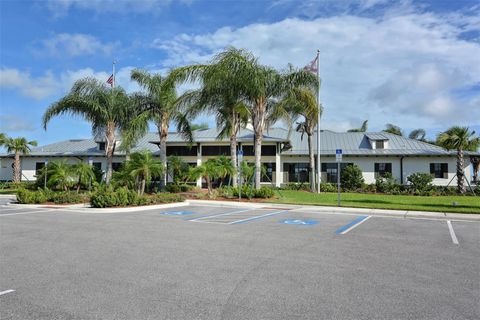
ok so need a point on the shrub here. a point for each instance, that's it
(328, 187)
(370, 188)
(103, 197)
(166, 198)
(65, 197)
(264, 192)
(351, 177)
(172, 187)
(30, 197)
(296, 186)
(421, 182)
(386, 184)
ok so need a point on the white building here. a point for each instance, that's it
(285, 157)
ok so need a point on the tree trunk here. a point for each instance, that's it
(109, 149)
(163, 133)
(233, 146)
(142, 187)
(311, 158)
(16, 168)
(460, 178)
(209, 185)
(258, 126)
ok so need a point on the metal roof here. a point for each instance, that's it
(351, 143)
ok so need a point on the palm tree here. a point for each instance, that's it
(302, 102)
(158, 105)
(209, 170)
(393, 129)
(418, 134)
(219, 95)
(142, 166)
(60, 175)
(178, 169)
(225, 168)
(18, 146)
(460, 139)
(105, 108)
(3, 138)
(363, 128)
(84, 172)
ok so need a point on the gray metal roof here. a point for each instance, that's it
(351, 143)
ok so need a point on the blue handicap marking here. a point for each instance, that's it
(299, 222)
(177, 213)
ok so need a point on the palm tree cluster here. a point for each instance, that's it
(17, 146)
(63, 176)
(216, 168)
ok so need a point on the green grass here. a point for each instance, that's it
(8, 191)
(465, 204)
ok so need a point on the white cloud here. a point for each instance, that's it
(75, 45)
(12, 123)
(33, 87)
(401, 68)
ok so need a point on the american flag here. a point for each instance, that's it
(312, 66)
(110, 80)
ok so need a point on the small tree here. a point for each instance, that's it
(421, 182)
(351, 177)
(84, 174)
(60, 175)
(142, 167)
(225, 168)
(209, 171)
(177, 169)
(18, 146)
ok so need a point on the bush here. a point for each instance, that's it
(328, 187)
(264, 192)
(351, 177)
(165, 198)
(370, 188)
(386, 184)
(172, 187)
(65, 197)
(421, 182)
(30, 197)
(103, 197)
(296, 186)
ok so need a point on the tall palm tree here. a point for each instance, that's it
(158, 105)
(363, 128)
(104, 107)
(460, 139)
(18, 146)
(393, 129)
(301, 101)
(143, 167)
(418, 134)
(219, 95)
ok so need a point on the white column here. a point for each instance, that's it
(199, 163)
(278, 167)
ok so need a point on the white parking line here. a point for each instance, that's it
(258, 217)
(6, 291)
(219, 215)
(28, 212)
(452, 233)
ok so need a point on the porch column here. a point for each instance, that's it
(278, 168)
(199, 163)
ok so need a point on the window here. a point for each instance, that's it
(215, 150)
(330, 168)
(38, 167)
(380, 144)
(439, 170)
(297, 172)
(116, 166)
(382, 168)
(266, 150)
(267, 173)
(181, 151)
(97, 165)
(101, 146)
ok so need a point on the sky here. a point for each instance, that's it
(415, 64)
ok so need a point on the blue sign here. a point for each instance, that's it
(338, 151)
(240, 153)
(299, 222)
(177, 213)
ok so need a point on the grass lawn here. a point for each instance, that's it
(8, 191)
(465, 204)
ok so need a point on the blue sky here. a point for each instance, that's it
(410, 63)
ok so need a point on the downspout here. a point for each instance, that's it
(401, 169)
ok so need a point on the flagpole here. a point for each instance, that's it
(113, 74)
(319, 169)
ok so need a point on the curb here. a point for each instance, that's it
(406, 214)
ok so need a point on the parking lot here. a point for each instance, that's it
(214, 262)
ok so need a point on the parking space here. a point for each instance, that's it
(212, 262)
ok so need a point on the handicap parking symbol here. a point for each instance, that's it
(299, 222)
(177, 213)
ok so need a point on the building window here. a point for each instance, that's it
(267, 172)
(297, 172)
(380, 144)
(181, 151)
(382, 168)
(330, 168)
(215, 150)
(101, 146)
(38, 167)
(97, 165)
(116, 166)
(439, 170)
(266, 150)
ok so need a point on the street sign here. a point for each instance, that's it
(338, 155)
(240, 156)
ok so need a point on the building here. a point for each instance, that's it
(284, 155)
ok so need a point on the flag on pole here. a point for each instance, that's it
(312, 66)
(110, 80)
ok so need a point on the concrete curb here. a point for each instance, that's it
(343, 210)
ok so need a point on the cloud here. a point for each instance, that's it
(403, 68)
(11, 123)
(33, 87)
(75, 45)
(62, 7)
